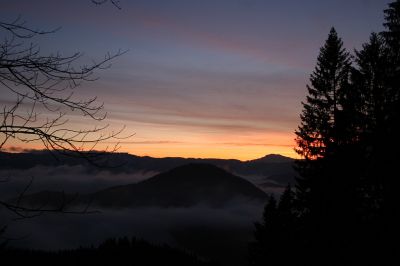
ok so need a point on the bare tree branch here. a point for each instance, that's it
(113, 2)
(43, 88)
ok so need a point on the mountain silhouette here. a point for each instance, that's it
(273, 167)
(273, 158)
(184, 186)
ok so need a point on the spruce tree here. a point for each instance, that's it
(286, 201)
(325, 138)
(345, 202)
(392, 33)
(370, 80)
(318, 132)
(265, 234)
(322, 130)
(390, 143)
(275, 235)
(286, 212)
(392, 39)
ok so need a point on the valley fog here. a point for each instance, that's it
(211, 232)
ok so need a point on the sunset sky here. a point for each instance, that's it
(205, 78)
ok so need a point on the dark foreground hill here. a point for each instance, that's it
(119, 252)
(184, 186)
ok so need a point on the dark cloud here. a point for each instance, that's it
(17, 149)
(256, 144)
(155, 142)
(242, 69)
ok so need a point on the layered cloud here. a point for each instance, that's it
(202, 78)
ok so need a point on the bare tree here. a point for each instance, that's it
(113, 2)
(39, 100)
(47, 83)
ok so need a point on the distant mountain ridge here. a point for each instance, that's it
(124, 161)
(273, 158)
(184, 186)
(273, 169)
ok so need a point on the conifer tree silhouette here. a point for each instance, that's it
(317, 132)
(344, 208)
(390, 142)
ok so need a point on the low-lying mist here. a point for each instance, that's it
(217, 233)
(71, 179)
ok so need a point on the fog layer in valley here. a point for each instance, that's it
(211, 232)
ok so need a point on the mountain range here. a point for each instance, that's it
(269, 172)
(184, 186)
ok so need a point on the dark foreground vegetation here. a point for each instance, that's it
(122, 251)
(343, 209)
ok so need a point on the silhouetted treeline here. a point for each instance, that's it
(121, 252)
(343, 209)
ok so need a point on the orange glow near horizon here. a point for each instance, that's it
(209, 80)
(221, 147)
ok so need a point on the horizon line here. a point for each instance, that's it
(22, 150)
